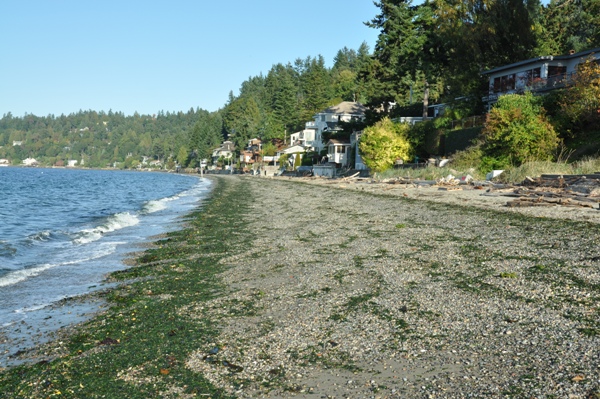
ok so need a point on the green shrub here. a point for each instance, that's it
(425, 138)
(383, 143)
(516, 131)
(468, 158)
(297, 160)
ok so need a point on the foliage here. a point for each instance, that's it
(517, 130)
(206, 135)
(182, 156)
(269, 149)
(568, 25)
(297, 160)
(581, 101)
(425, 138)
(456, 141)
(468, 158)
(99, 138)
(385, 142)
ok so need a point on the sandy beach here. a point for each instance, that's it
(369, 290)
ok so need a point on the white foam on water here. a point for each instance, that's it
(32, 308)
(155, 206)
(116, 222)
(23, 274)
(41, 236)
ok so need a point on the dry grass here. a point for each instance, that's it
(537, 168)
(511, 175)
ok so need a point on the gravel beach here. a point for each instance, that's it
(359, 290)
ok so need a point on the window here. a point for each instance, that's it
(556, 70)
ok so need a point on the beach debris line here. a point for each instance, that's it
(551, 190)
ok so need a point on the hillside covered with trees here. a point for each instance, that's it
(433, 52)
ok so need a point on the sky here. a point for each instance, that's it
(61, 56)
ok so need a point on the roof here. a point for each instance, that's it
(346, 107)
(543, 58)
(338, 142)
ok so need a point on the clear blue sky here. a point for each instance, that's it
(61, 56)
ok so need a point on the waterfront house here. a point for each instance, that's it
(30, 162)
(251, 154)
(338, 152)
(307, 137)
(328, 120)
(540, 74)
(225, 151)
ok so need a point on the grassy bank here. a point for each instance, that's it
(137, 348)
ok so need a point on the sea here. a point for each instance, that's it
(63, 230)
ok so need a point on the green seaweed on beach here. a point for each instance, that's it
(138, 347)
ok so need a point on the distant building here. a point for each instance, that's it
(17, 143)
(30, 162)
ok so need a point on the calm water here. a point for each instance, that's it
(62, 231)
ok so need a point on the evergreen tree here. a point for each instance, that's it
(567, 25)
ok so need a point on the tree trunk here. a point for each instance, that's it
(425, 100)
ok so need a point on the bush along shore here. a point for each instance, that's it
(279, 289)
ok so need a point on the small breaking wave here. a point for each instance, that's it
(33, 308)
(116, 222)
(22, 275)
(44, 235)
(155, 206)
(14, 277)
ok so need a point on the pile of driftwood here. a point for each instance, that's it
(551, 190)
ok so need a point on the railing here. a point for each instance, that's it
(536, 85)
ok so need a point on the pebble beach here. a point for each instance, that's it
(359, 291)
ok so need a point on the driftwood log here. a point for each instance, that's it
(550, 190)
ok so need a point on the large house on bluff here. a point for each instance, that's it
(538, 75)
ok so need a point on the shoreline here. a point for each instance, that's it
(287, 289)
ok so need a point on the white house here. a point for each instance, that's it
(338, 152)
(30, 162)
(4, 162)
(306, 137)
(537, 74)
(71, 163)
(225, 150)
(328, 119)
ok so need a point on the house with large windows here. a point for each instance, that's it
(538, 74)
